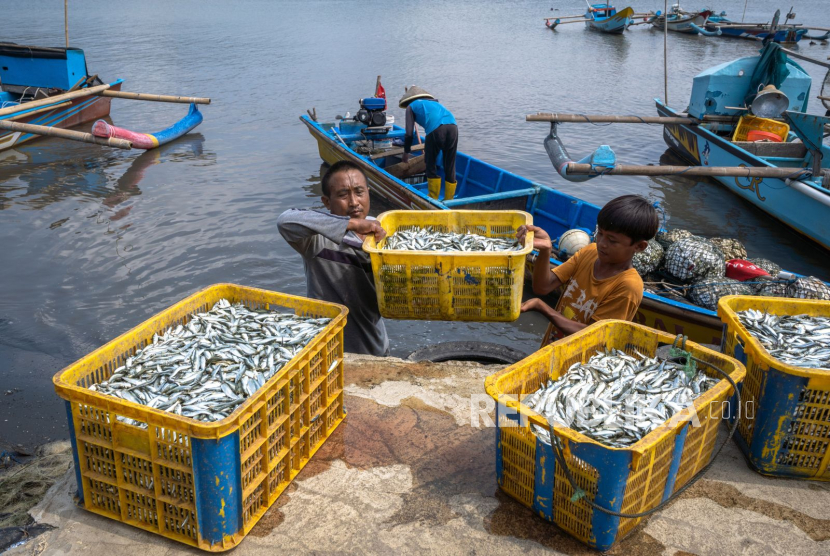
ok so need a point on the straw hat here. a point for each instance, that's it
(413, 93)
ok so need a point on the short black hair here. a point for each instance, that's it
(630, 215)
(339, 166)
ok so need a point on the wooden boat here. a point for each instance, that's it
(46, 91)
(788, 178)
(599, 17)
(606, 18)
(150, 140)
(29, 73)
(755, 31)
(484, 186)
(692, 23)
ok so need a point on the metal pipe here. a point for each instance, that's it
(65, 134)
(691, 171)
(156, 98)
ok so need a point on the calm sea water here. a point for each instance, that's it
(94, 241)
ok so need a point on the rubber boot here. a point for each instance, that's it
(434, 187)
(449, 190)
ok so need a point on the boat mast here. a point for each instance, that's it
(744, 16)
(66, 21)
(666, 53)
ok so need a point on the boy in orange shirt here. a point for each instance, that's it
(600, 282)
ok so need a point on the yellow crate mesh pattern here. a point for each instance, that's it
(450, 286)
(808, 435)
(647, 478)
(144, 475)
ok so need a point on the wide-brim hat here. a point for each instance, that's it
(413, 93)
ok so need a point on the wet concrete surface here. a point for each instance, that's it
(412, 469)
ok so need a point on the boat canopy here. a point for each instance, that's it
(735, 83)
(28, 67)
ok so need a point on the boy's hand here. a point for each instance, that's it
(541, 239)
(362, 227)
(534, 304)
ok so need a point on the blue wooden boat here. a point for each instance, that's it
(680, 21)
(33, 73)
(798, 196)
(756, 31)
(606, 18)
(483, 186)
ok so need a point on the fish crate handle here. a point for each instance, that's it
(580, 493)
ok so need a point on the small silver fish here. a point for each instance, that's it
(431, 238)
(799, 340)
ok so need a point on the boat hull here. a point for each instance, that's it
(614, 25)
(688, 25)
(700, 147)
(81, 111)
(700, 325)
(785, 36)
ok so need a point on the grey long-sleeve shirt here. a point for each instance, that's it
(338, 270)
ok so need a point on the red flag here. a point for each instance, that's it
(380, 92)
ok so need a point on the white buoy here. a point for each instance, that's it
(572, 241)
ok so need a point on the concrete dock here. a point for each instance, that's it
(412, 470)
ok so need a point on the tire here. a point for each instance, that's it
(479, 352)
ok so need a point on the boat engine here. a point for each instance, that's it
(372, 112)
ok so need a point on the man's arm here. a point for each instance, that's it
(566, 325)
(297, 226)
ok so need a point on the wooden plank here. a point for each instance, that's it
(156, 98)
(688, 171)
(393, 152)
(38, 111)
(416, 165)
(54, 99)
(64, 134)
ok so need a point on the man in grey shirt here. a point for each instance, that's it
(336, 267)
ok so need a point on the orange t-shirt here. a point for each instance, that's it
(588, 300)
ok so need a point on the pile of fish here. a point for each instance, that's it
(208, 367)
(799, 340)
(431, 239)
(616, 398)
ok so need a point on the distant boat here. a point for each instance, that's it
(606, 18)
(680, 21)
(786, 33)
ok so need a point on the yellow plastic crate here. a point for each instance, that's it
(625, 480)
(784, 421)
(749, 123)
(203, 484)
(451, 286)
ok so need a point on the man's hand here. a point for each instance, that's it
(541, 239)
(405, 158)
(362, 227)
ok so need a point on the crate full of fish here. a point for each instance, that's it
(631, 428)
(784, 419)
(191, 424)
(450, 264)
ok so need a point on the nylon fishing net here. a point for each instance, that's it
(731, 248)
(708, 291)
(665, 239)
(648, 260)
(693, 259)
(806, 287)
(767, 265)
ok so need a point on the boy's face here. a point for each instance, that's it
(348, 195)
(616, 248)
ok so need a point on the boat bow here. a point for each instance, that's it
(150, 140)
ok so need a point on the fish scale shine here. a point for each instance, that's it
(208, 367)
(430, 239)
(615, 398)
(799, 340)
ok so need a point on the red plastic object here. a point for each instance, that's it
(758, 135)
(742, 270)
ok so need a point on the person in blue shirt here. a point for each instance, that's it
(442, 136)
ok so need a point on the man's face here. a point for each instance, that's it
(348, 195)
(616, 248)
